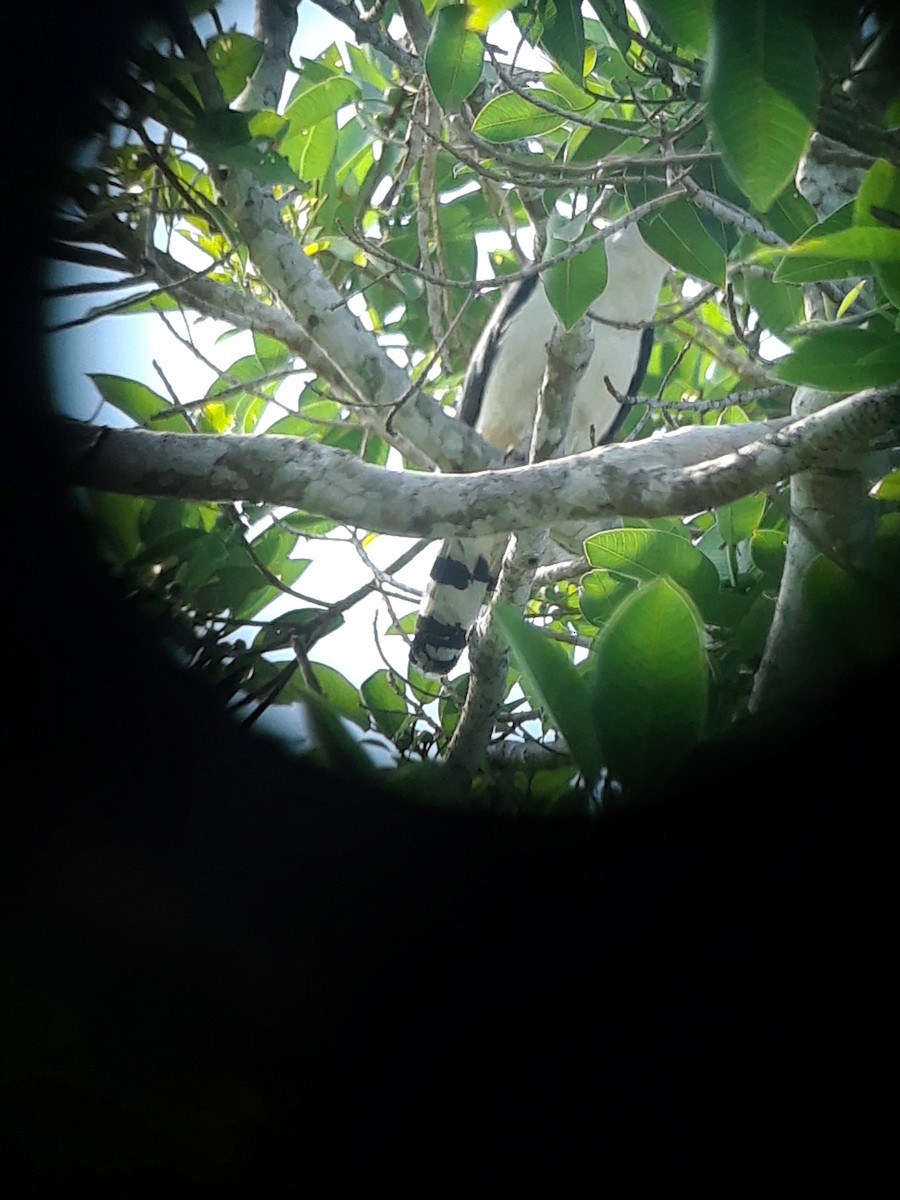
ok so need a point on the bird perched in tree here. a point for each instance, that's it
(499, 398)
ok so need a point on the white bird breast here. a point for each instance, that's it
(510, 394)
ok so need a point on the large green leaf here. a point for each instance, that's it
(687, 22)
(799, 268)
(563, 35)
(600, 593)
(878, 206)
(778, 306)
(510, 117)
(342, 694)
(310, 151)
(387, 706)
(862, 242)
(575, 283)
(678, 235)
(453, 57)
(649, 684)
(138, 401)
(234, 56)
(842, 360)
(768, 550)
(650, 554)
(551, 677)
(762, 91)
(790, 215)
(737, 521)
(320, 100)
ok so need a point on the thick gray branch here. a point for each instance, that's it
(317, 307)
(466, 450)
(681, 472)
(274, 25)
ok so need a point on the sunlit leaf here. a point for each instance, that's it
(235, 57)
(139, 402)
(321, 100)
(649, 554)
(482, 13)
(510, 117)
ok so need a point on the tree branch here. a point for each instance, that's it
(274, 25)
(680, 472)
(371, 33)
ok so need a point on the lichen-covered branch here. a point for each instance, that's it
(274, 26)
(679, 472)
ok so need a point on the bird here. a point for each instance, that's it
(499, 399)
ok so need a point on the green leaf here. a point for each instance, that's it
(768, 550)
(878, 206)
(342, 695)
(678, 235)
(510, 117)
(425, 688)
(600, 593)
(592, 145)
(798, 269)
(649, 684)
(563, 35)
(453, 58)
(842, 360)
(483, 13)
(362, 67)
(574, 284)
(388, 708)
(879, 193)
(613, 18)
(862, 242)
(138, 402)
(778, 306)
(340, 752)
(235, 57)
(551, 677)
(790, 215)
(321, 100)
(737, 521)
(647, 555)
(118, 518)
(887, 488)
(762, 90)
(574, 94)
(687, 22)
(308, 523)
(310, 152)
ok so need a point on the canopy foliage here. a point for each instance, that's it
(414, 168)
